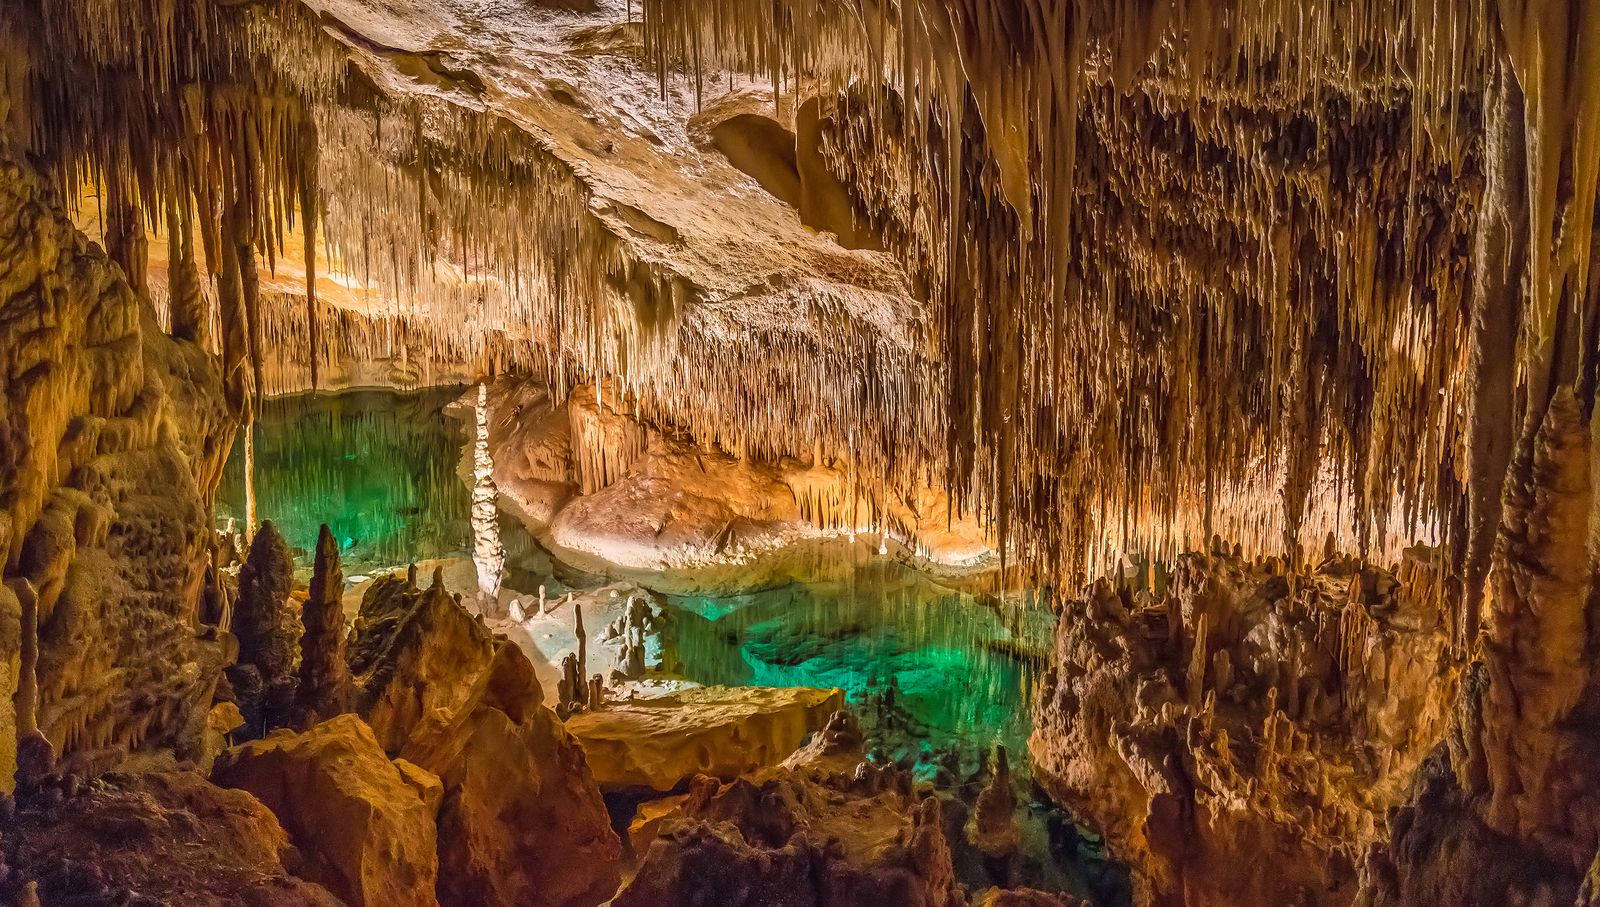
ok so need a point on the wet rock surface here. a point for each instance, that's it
(662, 741)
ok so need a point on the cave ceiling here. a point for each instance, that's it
(1124, 276)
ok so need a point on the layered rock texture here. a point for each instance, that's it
(112, 437)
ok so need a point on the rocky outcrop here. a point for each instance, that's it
(825, 829)
(112, 438)
(520, 819)
(604, 489)
(360, 822)
(413, 653)
(1245, 708)
(158, 838)
(782, 842)
(661, 741)
(1507, 810)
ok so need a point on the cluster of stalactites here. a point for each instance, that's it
(171, 114)
(265, 151)
(1200, 267)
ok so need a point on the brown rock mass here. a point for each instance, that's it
(521, 820)
(359, 821)
(1246, 707)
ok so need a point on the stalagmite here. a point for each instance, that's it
(488, 556)
(263, 679)
(993, 827)
(325, 687)
(583, 638)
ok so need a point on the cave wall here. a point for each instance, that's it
(112, 440)
(1507, 809)
(1239, 708)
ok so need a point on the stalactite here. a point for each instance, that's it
(27, 692)
(189, 312)
(309, 208)
(1195, 269)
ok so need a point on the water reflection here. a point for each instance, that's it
(379, 467)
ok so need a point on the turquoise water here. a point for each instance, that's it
(932, 667)
(924, 665)
(379, 467)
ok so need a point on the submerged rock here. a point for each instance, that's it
(365, 830)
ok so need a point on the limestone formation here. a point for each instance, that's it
(823, 828)
(1246, 706)
(1504, 809)
(793, 840)
(721, 732)
(156, 838)
(1141, 304)
(361, 824)
(269, 639)
(325, 688)
(445, 696)
(111, 443)
(993, 827)
(416, 653)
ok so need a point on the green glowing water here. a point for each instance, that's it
(381, 468)
(960, 667)
(378, 467)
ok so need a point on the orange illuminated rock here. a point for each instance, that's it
(723, 732)
(359, 820)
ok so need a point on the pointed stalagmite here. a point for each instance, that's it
(325, 686)
(263, 678)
